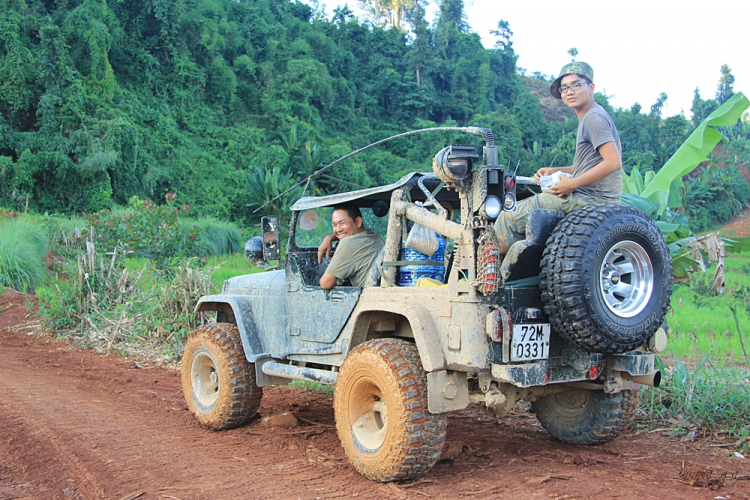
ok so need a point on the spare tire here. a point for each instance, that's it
(606, 278)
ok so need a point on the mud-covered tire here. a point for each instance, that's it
(585, 416)
(381, 411)
(606, 278)
(217, 379)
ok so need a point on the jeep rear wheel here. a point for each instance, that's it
(381, 412)
(606, 278)
(584, 416)
(217, 380)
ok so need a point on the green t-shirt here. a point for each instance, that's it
(354, 256)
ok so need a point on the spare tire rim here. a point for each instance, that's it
(627, 279)
(205, 378)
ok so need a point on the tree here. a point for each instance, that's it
(658, 105)
(726, 83)
(700, 108)
(573, 52)
(393, 13)
(504, 34)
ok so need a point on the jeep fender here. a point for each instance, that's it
(422, 326)
(242, 309)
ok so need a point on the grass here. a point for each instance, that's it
(219, 237)
(702, 323)
(313, 386)
(706, 399)
(222, 268)
(229, 266)
(23, 252)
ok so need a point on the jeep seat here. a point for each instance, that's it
(373, 277)
(523, 257)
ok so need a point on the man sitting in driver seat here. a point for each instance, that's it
(356, 251)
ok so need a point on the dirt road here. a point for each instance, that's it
(78, 425)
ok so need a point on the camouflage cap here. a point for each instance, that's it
(574, 68)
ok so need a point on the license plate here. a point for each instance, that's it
(530, 342)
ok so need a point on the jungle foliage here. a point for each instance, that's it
(227, 103)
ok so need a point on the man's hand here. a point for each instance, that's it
(564, 187)
(326, 247)
(543, 171)
(551, 170)
(610, 164)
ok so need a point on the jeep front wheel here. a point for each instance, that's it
(381, 412)
(217, 380)
(586, 416)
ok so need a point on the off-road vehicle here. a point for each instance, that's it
(569, 320)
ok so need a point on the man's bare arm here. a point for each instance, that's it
(326, 247)
(610, 163)
(327, 281)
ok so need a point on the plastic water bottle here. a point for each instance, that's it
(410, 274)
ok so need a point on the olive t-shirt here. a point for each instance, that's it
(596, 128)
(354, 256)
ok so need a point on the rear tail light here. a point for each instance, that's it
(593, 372)
(499, 325)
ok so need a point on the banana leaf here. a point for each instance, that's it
(737, 245)
(693, 151)
(643, 204)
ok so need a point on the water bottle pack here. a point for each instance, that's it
(410, 274)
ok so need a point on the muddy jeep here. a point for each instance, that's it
(568, 320)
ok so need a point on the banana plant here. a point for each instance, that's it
(657, 194)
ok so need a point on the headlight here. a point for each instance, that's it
(453, 164)
(492, 207)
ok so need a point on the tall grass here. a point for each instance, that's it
(219, 237)
(66, 234)
(708, 398)
(125, 303)
(23, 250)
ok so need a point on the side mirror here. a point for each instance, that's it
(254, 251)
(270, 228)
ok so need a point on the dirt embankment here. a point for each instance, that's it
(78, 425)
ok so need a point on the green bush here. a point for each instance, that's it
(23, 250)
(715, 195)
(148, 231)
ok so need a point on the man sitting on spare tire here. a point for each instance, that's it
(596, 166)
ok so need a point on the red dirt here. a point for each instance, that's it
(75, 424)
(739, 227)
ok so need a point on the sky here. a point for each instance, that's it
(638, 49)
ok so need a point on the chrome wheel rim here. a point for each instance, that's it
(627, 279)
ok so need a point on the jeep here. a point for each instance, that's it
(569, 320)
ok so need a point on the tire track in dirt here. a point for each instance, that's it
(100, 443)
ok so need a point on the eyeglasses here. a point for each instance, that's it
(564, 89)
